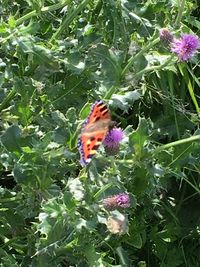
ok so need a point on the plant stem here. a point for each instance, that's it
(176, 143)
(96, 12)
(190, 88)
(180, 13)
(171, 87)
(152, 68)
(141, 52)
(112, 90)
(68, 19)
(43, 10)
(7, 99)
(33, 14)
(163, 147)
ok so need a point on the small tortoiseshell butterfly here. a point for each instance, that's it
(94, 131)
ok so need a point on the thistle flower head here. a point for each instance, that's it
(121, 200)
(112, 140)
(113, 137)
(166, 35)
(186, 46)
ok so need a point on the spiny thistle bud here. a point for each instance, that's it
(166, 35)
(121, 200)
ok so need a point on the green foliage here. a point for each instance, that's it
(56, 59)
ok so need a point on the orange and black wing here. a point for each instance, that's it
(94, 131)
(99, 111)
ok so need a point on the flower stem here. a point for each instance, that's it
(153, 68)
(68, 19)
(141, 52)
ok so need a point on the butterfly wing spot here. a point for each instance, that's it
(97, 118)
(99, 103)
(90, 156)
(103, 108)
(95, 147)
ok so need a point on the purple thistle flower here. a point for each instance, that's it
(121, 200)
(186, 46)
(112, 140)
(113, 137)
(166, 35)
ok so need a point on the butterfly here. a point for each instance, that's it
(94, 131)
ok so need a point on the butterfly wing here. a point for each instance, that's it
(99, 111)
(94, 131)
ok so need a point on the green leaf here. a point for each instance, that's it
(94, 259)
(140, 181)
(69, 201)
(11, 22)
(52, 212)
(74, 62)
(85, 111)
(76, 188)
(11, 139)
(125, 101)
(24, 174)
(136, 240)
(110, 63)
(139, 137)
(123, 255)
(59, 118)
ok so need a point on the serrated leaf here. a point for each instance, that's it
(59, 118)
(125, 101)
(74, 62)
(24, 174)
(90, 225)
(109, 62)
(39, 54)
(71, 115)
(69, 201)
(94, 258)
(138, 138)
(76, 188)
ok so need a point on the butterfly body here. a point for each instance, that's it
(94, 131)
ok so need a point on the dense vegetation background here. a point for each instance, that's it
(56, 59)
